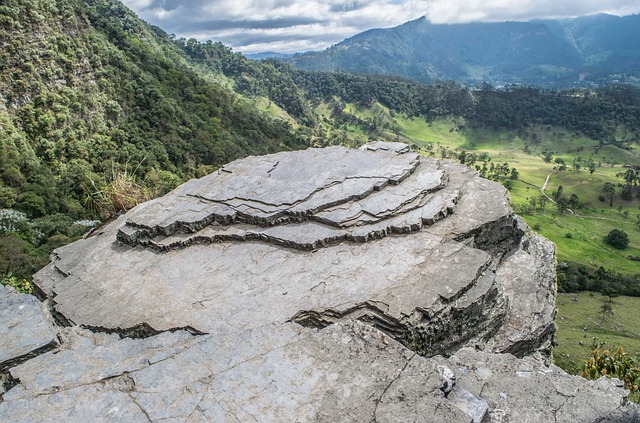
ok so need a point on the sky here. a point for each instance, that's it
(288, 26)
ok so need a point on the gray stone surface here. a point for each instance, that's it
(24, 328)
(320, 285)
(415, 246)
(527, 391)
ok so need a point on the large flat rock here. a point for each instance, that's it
(347, 372)
(318, 285)
(314, 236)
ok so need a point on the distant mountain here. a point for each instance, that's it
(268, 55)
(586, 51)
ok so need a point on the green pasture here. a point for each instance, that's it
(440, 132)
(579, 320)
(580, 239)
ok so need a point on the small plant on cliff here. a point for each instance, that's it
(616, 364)
(21, 285)
(119, 194)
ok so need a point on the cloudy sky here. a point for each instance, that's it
(289, 26)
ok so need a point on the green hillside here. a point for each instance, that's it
(86, 85)
(92, 95)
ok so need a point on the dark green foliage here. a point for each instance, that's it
(611, 292)
(98, 87)
(631, 186)
(89, 92)
(508, 184)
(18, 257)
(617, 238)
(575, 277)
(610, 189)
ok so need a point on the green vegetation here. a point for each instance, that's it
(580, 320)
(21, 285)
(617, 239)
(618, 364)
(90, 92)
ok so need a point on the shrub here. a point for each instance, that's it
(21, 285)
(617, 239)
(120, 194)
(604, 362)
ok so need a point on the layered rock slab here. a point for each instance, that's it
(412, 245)
(302, 286)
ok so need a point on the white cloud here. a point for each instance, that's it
(298, 25)
(443, 11)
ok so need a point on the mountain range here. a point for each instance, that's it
(585, 51)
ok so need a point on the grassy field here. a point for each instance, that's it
(579, 239)
(580, 319)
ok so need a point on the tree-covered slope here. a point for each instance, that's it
(86, 85)
(98, 107)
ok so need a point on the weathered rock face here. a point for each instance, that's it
(321, 285)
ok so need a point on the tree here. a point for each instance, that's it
(542, 201)
(610, 189)
(574, 201)
(548, 156)
(606, 309)
(611, 292)
(592, 167)
(562, 204)
(558, 193)
(617, 238)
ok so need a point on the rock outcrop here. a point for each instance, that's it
(319, 285)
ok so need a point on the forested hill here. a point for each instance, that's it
(586, 51)
(99, 110)
(86, 84)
